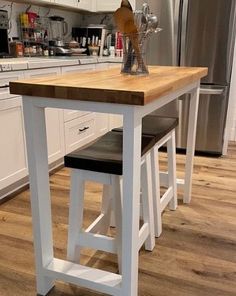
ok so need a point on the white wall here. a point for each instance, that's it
(14, 9)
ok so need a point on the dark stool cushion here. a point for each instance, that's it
(156, 126)
(105, 155)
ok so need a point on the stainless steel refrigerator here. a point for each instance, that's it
(198, 33)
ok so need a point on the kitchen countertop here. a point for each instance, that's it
(110, 86)
(26, 63)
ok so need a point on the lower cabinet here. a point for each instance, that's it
(73, 118)
(54, 120)
(79, 132)
(13, 157)
(72, 114)
(67, 130)
(55, 134)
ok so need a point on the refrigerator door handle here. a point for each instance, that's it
(184, 19)
(212, 91)
(177, 7)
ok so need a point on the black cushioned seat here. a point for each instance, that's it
(156, 126)
(105, 155)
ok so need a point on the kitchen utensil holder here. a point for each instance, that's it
(134, 54)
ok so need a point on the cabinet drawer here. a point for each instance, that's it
(79, 132)
(5, 79)
(72, 114)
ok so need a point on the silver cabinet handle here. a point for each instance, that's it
(212, 91)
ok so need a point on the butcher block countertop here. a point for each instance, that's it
(110, 86)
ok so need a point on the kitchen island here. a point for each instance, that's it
(105, 92)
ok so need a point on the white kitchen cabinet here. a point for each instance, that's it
(5, 79)
(54, 120)
(102, 123)
(89, 5)
(106, 122)
(70, 3)
(13, 157)
(79, 132)
(72, 114)
(55, 134)
(111, 5)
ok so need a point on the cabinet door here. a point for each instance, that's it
(13, 157)
(102, 123)
(111, 5)
(72, 114)
(79, 132)
(71, 3)
(86, 4)
(5, 78)
(55, 134)
(54, 120)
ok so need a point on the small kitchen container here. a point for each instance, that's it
(16, 49)
(93, 50)
(134, 54)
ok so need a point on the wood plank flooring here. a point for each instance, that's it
(195, 256)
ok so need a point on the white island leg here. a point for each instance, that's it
(191, 140)
(34, 118)
(131, 192)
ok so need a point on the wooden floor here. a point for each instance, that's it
(195, 256)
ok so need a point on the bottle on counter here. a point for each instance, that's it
(51, 51)
(45, 51)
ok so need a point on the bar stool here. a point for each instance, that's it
(102, 162)
(162, 129)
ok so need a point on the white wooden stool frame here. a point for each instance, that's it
(95, 235)
(49, 268)
(170, 195)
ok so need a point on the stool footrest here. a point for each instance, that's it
(143, 234)
(98, 242)
(96, 225)
(167, 196)
(92, 278)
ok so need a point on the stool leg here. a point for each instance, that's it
(172, 180)
(75, 215)
(113, 220)
(147, 202)
(156, 191)
(117, 198)
(106, 209)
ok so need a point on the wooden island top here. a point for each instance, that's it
(110, 86)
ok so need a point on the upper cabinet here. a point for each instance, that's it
(89, 5)
(110, 5)
(70, 3)
(46, 1)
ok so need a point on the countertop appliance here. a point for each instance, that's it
(4, 46)
(58, 29)
(198, 33)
